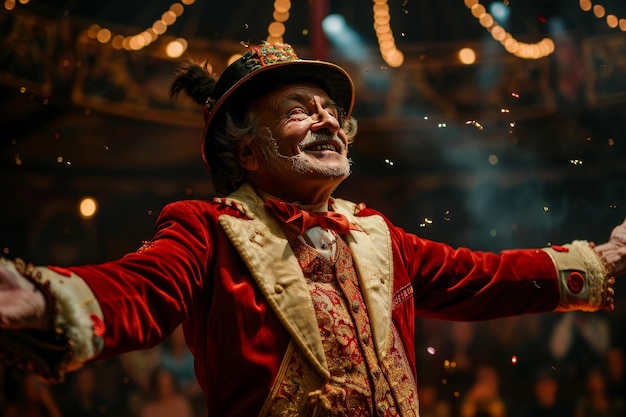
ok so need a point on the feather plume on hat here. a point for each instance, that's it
(195, 80)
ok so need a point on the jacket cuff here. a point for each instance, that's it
(76, 330)
(583, 278)
(78, 314)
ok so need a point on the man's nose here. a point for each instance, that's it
(324, 120)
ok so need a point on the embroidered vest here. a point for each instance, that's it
(356, 385)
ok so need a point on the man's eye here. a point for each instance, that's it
(298, 114)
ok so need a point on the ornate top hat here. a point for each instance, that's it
(258, 72)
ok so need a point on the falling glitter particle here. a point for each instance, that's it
(68, 163)
(389, 162)
(536, 285)
(611, 142)
(59, 159)
(588, 139)
(22, 90)
(505, 111)
(5, 251)
(475, 123)
(245, 44)
(442, 125)
(431, 350)
(512, 124)
(514, 360)
(514, 95)
(18, 160)
(149, 212)
(575, 161)
(493, 233)
(613, 206)
(106, 148)
(246, 26)
(446, 216)
(546, 209)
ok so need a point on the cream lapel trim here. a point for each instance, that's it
(264, 248)
(373, 259)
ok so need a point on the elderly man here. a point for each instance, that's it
(293, 303)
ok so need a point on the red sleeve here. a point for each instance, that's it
(461, 284)
(146, 294)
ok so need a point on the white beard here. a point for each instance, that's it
(305, 164)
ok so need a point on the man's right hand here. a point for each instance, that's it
(22, 304)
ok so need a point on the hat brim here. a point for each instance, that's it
(330, 77)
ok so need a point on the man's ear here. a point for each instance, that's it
(248, 155)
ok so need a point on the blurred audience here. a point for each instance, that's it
(596, 400)
(33, 399)
(545, 400)
(483, 398)
(165, 398)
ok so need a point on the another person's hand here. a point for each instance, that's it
(22, 305)
(614, 251)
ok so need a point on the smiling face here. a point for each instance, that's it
(301, 154)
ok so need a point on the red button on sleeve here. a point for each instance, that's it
(575, 282)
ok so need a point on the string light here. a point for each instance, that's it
(146, 37)
(11, 4)
(524, 50)
(599, 11)
(386, 42)
(276, 29)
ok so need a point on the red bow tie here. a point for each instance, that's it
(292, 214)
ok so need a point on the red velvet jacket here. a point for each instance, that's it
(226, 271)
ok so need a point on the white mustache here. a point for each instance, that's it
(315, 138)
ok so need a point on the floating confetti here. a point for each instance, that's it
(514, 360)
(512, 124)
(475, 123)
(389, 162)
(149, 212)
(446, 216)
(505, 111)
(536, 285)
(575, 161)
(59, 159)
(514, 95)
(431, 350)
(546, 209)
(69, 163)
(426, 222)
(245, 44)
(106, 148)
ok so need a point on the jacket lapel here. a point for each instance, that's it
(373, 259)
(261, 243)
(264, 248)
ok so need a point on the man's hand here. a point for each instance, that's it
(614, 251)
(22, 305)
